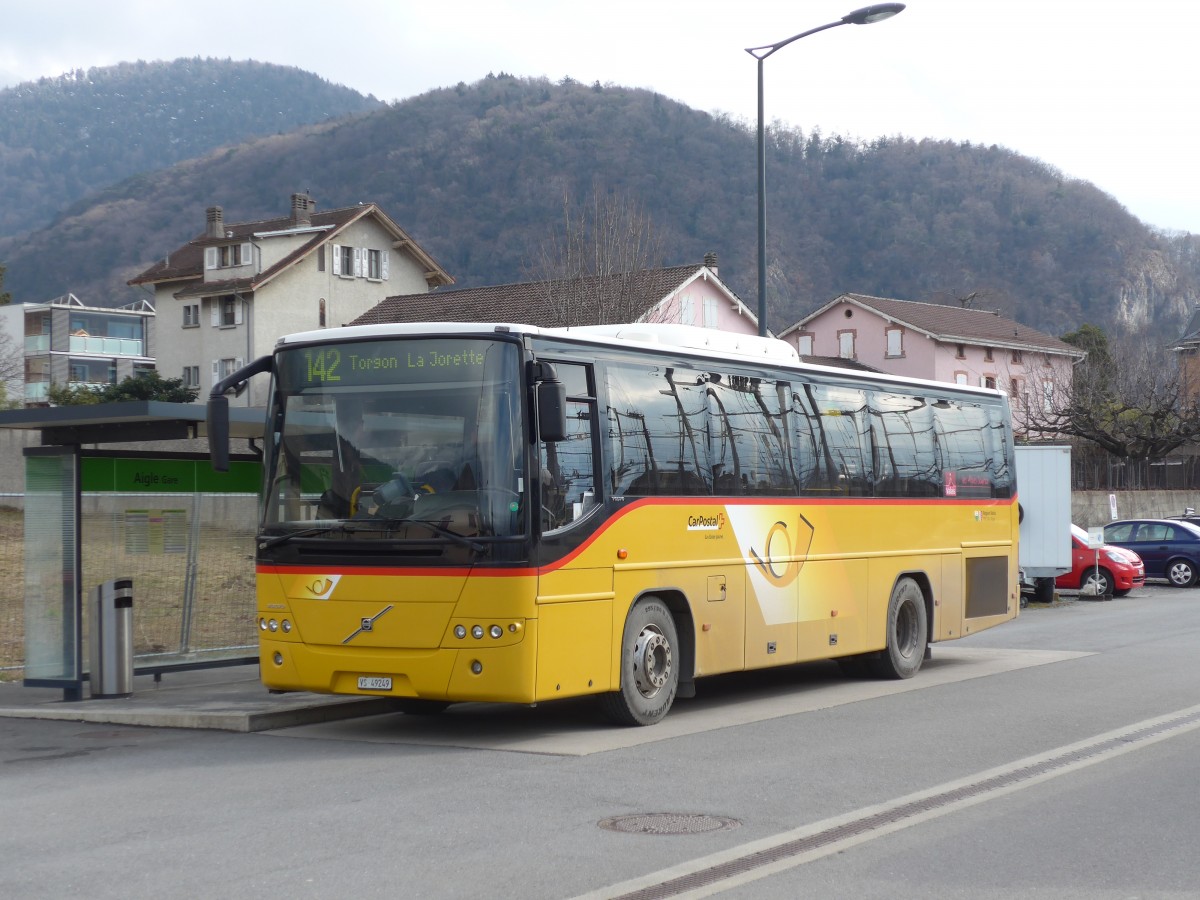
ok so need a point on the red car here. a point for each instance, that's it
(1119, 571)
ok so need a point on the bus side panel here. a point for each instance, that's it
(832, 607)
(947, 621)
(575, 627)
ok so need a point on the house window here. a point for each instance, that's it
(711, 312)
(1047, 396)
(346, 259)
(895, 342)
(687, 315)
(229, 311)
(960, 377)
(191, 376)
(1014, 390)
(988, 381)
(321, 258)
(374, 265)
(846, 344)
(191, 315)
(960, 351)
(321, 313)
(227, 256)
(987, 354)
(1016, 357)
(804, 344)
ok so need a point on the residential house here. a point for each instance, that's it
(689, 295)
(68, 343)
(941, 343)
(232, 291)
(1188, 350)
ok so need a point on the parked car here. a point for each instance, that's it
(1169, 548)
(1115, 571)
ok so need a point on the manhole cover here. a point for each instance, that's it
(669, 823)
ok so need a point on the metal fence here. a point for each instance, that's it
(191, 560)
(1095, 470)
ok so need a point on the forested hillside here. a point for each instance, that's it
(63, 138)
(477, 174)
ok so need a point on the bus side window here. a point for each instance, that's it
(567, 467)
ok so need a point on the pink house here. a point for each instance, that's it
(940, 343)
(687, 295)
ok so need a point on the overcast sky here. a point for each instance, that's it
(1102, 90)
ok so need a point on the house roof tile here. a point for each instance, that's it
(953, 324)
(186, 263)
(531, 303)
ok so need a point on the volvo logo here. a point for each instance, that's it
(367, 623)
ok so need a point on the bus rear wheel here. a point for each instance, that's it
(649, 670)
(907, 632)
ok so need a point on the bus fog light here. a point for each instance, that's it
(476, 667)
(460, 631)
(286, 625)
(278, 658)
(477, 632)
(496, 631)
(272, 625)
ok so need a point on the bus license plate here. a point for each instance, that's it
(374, 683)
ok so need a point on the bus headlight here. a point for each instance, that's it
(496, 632)
(272, 625)
(460, 631)
(477, 632)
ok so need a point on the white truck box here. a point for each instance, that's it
(1044, 492)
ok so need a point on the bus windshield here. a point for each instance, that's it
(396, 439)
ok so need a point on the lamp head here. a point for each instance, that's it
(868, 15)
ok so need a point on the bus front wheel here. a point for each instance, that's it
(907, 632)
(649, 667)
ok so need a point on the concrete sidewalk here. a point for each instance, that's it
(224, 699)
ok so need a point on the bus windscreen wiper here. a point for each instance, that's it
(436, 527)
(278, 539)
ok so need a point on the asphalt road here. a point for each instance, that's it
(1055, 757)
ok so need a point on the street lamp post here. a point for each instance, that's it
(865, 16)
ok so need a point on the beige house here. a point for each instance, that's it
(941, 343)
(224, 297)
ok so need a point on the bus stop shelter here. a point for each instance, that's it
(111, 498)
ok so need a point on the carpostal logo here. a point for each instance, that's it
(713, 522)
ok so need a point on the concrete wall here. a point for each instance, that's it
(1091, 508)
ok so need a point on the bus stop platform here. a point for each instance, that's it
(221, 699)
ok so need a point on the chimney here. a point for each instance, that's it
(215, 219)
(302, 210)
(710, 261)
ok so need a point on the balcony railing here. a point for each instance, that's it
(106, 345)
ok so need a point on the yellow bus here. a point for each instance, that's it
(495, 512)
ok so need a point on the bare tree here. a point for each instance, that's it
(12, 371)
(1129, 400)
(589, 265)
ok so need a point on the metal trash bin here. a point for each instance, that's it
(110, 639)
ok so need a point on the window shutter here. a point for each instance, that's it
(216, 372)
(337, 259)
(383, 265)
(210, 257)
(237, 364)
(359, 253)
(215, 303)
(237, 312)
(247, 253)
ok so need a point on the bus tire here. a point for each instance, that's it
(907, 632)
(649, 666)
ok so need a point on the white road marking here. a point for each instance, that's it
(893, 816)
